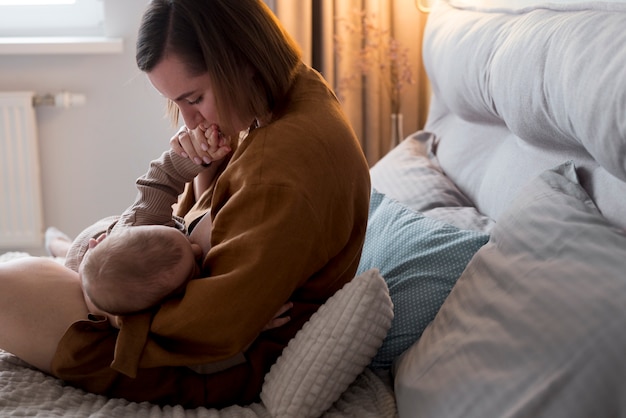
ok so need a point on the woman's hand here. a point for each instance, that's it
(203, 145)
(279, 320)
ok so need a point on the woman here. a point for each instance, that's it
(289, 210)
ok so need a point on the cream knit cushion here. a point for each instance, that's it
(331, 350)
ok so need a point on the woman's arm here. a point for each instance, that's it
(166, 177)
(158, 190)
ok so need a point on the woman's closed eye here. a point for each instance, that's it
(196, 101)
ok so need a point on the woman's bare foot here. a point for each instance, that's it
(57, 243)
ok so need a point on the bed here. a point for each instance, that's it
(493, 277)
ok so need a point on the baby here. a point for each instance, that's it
(135, 268)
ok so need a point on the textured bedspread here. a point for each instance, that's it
(28, 392)
(325, 359)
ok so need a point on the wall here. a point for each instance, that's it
(91, 155)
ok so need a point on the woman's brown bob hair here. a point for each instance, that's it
(240, 43)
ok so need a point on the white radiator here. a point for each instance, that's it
(21, 212)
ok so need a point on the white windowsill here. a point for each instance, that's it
(60, 45)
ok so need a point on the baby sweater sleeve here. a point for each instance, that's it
(158, 189)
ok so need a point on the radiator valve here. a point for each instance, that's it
(63, 99)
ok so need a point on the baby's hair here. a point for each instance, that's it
(139, 260)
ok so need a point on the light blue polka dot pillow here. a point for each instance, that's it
(420, 258)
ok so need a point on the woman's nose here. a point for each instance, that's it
(191, 117)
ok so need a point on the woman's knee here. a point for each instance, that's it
(39, 300)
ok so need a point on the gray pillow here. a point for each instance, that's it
(535, 324)
(408, 175)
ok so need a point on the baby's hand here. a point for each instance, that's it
(203, 145)
(216, 144)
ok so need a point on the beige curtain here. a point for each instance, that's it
(316, 25)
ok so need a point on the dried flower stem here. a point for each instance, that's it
(379, 53)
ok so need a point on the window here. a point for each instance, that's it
(34, 2)
(20, 18)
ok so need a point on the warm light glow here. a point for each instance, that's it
(424, 5)
(34, 2)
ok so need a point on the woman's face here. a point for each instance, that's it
(192, 94)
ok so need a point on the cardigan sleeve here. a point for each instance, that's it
(158, 190)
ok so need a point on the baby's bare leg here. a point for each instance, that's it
(39, 300)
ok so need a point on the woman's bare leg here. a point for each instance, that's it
(39, 300)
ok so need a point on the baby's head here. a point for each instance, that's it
(135, 268)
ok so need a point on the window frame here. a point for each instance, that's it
(81, 18)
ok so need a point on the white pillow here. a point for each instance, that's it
(526, 71)
(331, 350)
(519, 6)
